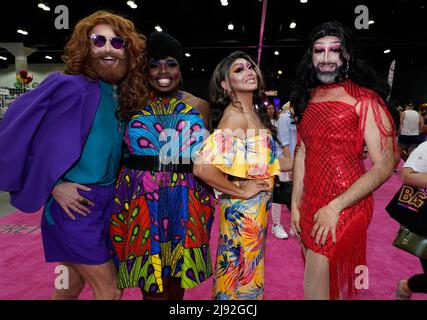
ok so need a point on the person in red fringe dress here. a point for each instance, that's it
(339, 103)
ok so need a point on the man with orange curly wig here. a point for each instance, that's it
(62, 145)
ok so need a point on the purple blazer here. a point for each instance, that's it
(42, 135)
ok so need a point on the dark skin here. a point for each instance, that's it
(202, 106)
(164, 77)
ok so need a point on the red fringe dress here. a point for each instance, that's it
(333, 135)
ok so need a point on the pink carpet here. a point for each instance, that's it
(25, 275)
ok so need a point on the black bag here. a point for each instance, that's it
(411, 242)
(282, 192)
(409, 208)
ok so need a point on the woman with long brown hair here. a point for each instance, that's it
(243, 148)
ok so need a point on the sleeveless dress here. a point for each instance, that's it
(239, 272)
(161, 220)
(332, 133)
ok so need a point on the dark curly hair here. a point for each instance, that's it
(219, 100)
(359, 70)
(133, 88)
(161, 45)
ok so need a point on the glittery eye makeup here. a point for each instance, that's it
(237, 68)
(319, 49)
(240, 67)
(333, 47)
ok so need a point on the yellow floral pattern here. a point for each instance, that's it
(239, 272)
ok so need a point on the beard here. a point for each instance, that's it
(328, 77)
(112, 74)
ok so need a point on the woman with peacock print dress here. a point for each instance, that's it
(162, 214)
(243, 148)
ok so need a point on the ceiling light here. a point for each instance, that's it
(280, 72)
(3, 58)
(387, 51)
(44, 6)
(41, 5)
(158, 28)
(276, 53)
(371, 21)
(22, 31)
(303, 1)
(224, 3)
(187, 54)
(293, 25)
(132, 4)
(48, 57)
(230, 26)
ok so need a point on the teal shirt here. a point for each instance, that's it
(100, 159)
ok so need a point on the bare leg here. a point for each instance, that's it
(316, 276)
(76, 285)
(102, 279)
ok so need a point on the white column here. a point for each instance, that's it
(20, 52)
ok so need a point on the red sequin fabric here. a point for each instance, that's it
(332, 133)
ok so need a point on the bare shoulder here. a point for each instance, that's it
(233, 119)
(201, 105)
